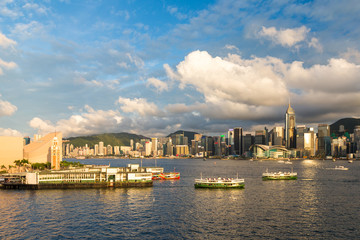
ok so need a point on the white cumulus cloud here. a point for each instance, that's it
(140, 106)
(6, 108)
(250, 82)
(285, 37)
(6, 42)
(338, 76)
(10, 132)
(158, 84)
(6, 65)
(89, 122)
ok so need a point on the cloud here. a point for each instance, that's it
(175, 12)
(314, 42)
(8, 12)
(158, 84)
(6, 108)
(351, 55)
(139, 106)
(35, 7)
(6, 42)
(338, 76)
(232, 79)
(231, 47)
(10, 132)
(257, 89)
(30, 30)
(285, 37)
(89, 122)
(135, 60)
(80, 78)
(6, 65)
(42, 126)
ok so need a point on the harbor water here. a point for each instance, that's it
(321, 204)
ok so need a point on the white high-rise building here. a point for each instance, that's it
(148, 148)
(101, 148)
(154, 143)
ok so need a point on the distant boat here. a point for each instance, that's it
(350, 161)
(219, 183)
(279, 175)
(338, 168)
(166, 176)
(204, 159)
(281, 161)
(288, 162)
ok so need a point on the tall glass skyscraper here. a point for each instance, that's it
(238, 141)
(290, 128)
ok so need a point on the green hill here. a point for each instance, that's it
(348, 123)
(113, 139)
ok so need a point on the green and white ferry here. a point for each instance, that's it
(279, 175)
(219, 183)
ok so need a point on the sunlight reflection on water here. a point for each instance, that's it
(320, 204)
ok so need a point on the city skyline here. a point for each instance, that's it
(155, 67)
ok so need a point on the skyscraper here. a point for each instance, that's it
(101, 148)
(277, 136)
(290, 130)
(324, 140)
(154, 144)
(238, 141)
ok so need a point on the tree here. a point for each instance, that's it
(22, 162)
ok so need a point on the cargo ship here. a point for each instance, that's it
(219, 183)
(279, 175)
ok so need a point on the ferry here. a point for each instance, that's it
(279, 175)
(219, 183)
(166, 176)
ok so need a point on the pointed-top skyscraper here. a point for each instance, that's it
(290, 128)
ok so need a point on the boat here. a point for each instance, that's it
(288, 162)
(342, 168)
(350, 161)
(281, 161)
(219, 183)
(279, 175)
(166, 176)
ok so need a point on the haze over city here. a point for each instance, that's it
(154, 67)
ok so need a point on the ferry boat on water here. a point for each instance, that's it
(219, 183)
(166, 176)
(279, 175)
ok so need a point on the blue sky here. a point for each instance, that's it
(154, 67)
